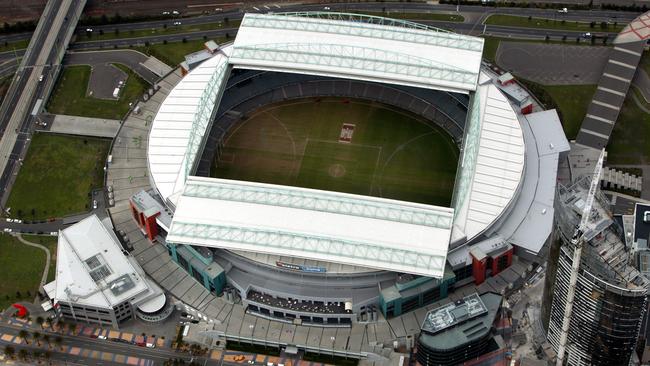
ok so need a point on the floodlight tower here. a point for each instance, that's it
(578, 241)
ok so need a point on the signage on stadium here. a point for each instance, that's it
(299, 267)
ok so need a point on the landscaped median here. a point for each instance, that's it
(556, 23)
(57, 176)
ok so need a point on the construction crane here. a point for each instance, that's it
(578, 241)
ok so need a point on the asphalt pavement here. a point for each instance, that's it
(132, 59)
(553, 64)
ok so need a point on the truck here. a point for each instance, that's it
(116, 92)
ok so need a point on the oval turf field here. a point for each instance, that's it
(342, 145)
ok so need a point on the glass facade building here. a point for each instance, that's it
(610, 296)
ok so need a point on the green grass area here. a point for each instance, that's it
(323, 161)
(645, 62)
(391, 154)
(417, 16)
(546, 23)
(629, 141)
(157, 31)
(57, 176)
(490, 48)
(50, 243)
(71, 97)
(173, 53)
(22, 268)
(17, 45)
(570, 101)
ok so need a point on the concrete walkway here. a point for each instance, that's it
(47, 257)
(84, 126)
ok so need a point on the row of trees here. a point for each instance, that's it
(25, 355)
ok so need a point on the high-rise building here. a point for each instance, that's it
(610, 294)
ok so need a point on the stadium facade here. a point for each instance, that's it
(321, 257)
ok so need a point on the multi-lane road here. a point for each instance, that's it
(475, 15)
(33, 82)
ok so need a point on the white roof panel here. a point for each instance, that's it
(88, 249)
(350, 47)
(305, 223)
(498, 163)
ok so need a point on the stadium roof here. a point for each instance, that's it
(92, 270)
(352, 46)
(306, 223)
(343, 45)
(492, 162)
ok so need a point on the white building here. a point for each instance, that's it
(99, 282)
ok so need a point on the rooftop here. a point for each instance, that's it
(457, 323)
(641, 226)
(331, 226)
(606, 255)
(92, 269)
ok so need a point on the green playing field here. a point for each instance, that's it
(385, 153)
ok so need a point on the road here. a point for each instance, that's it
(470, 12)
(34, 79)
(156, 356)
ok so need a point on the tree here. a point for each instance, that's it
(47, 355)
(564, 38)
(547, 38)
(530, 18)
(23, 354)
(73, 327)
(605, 38)
(184, 39)
(60, 324)
(24, 335)
(101, 32)
(164, 41)
(40, 320)
(37, 336)
(592, 24)
(117, 31)
(10, 351)
(46, 339)
(58, 341)
(164, 26)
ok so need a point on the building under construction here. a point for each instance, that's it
(610, 294)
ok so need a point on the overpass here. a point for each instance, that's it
(42, 58)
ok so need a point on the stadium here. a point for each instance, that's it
(325, 166)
